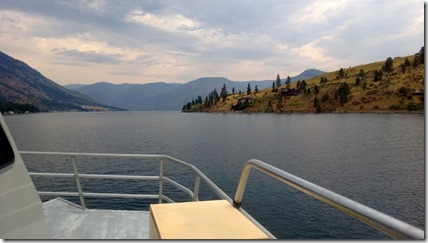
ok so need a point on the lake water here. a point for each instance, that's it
(374, 159)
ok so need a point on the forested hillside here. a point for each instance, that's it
(22, 87)
(393, 85)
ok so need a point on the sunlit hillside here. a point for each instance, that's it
(382, 86)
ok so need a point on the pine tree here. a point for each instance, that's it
(223, 93)
(288, 81)
(343, 92)
(341, 73)
(316, 89)
(378, 75)
(248, 89)
(389, 65)
(278, 81)
(357, 81)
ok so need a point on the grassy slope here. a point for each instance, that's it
(378, 96)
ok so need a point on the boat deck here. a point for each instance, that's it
(66, 220)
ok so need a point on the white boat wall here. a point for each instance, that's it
(21, 210)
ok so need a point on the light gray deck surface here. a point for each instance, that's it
(66, 220)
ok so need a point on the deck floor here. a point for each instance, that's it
(66, 220)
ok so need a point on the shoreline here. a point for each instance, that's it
(312, 112)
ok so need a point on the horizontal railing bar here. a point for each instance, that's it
(58, 193)
(45, 174)
(372, 217)
(96, 176)
(123, 177)
(94, 194)
(141, 156)
(179, 186)
(120, 195)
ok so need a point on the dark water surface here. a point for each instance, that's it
(374, 159)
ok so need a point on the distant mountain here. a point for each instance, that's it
(21, 84)
(159, 96)
(307, 74)
(169, 96)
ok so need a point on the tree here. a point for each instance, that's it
(273, 87)
(404, 91)
(389, 65)
(317, 105)
(233, 90)
(419, 57)
(407, 62)
(341, 73)
(288, 82)
(256, 89)
(223, 93)
(403, 67)
(248, 89)
(342, 92)
(278, 81)
(323, 80)
(206, 103)
(325, 97)
(279, 105)
(362, 74)
(316, 89)
(357, 81)
(301, 86)
(378, 75)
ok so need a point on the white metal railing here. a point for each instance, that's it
(193, 195)
(161, 178)
(380, 221)
(373, 218)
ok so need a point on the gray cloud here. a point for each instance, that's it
(175, 36)
(88, 56)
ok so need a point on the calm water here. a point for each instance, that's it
(375, 159)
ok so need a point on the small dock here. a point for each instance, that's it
(66, 220)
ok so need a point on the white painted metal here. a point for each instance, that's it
(380, 221)
(68, 221)
(199, 175)
(21, 212)
(79, 186)
(196, 188)
(161, 163)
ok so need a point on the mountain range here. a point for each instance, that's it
(21, 84)
(168, 96)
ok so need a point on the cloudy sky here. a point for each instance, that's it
(87, 41)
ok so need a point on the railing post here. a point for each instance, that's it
(161, 161)
(79, 186)
(196, 189)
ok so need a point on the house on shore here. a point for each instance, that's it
(287, 92)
